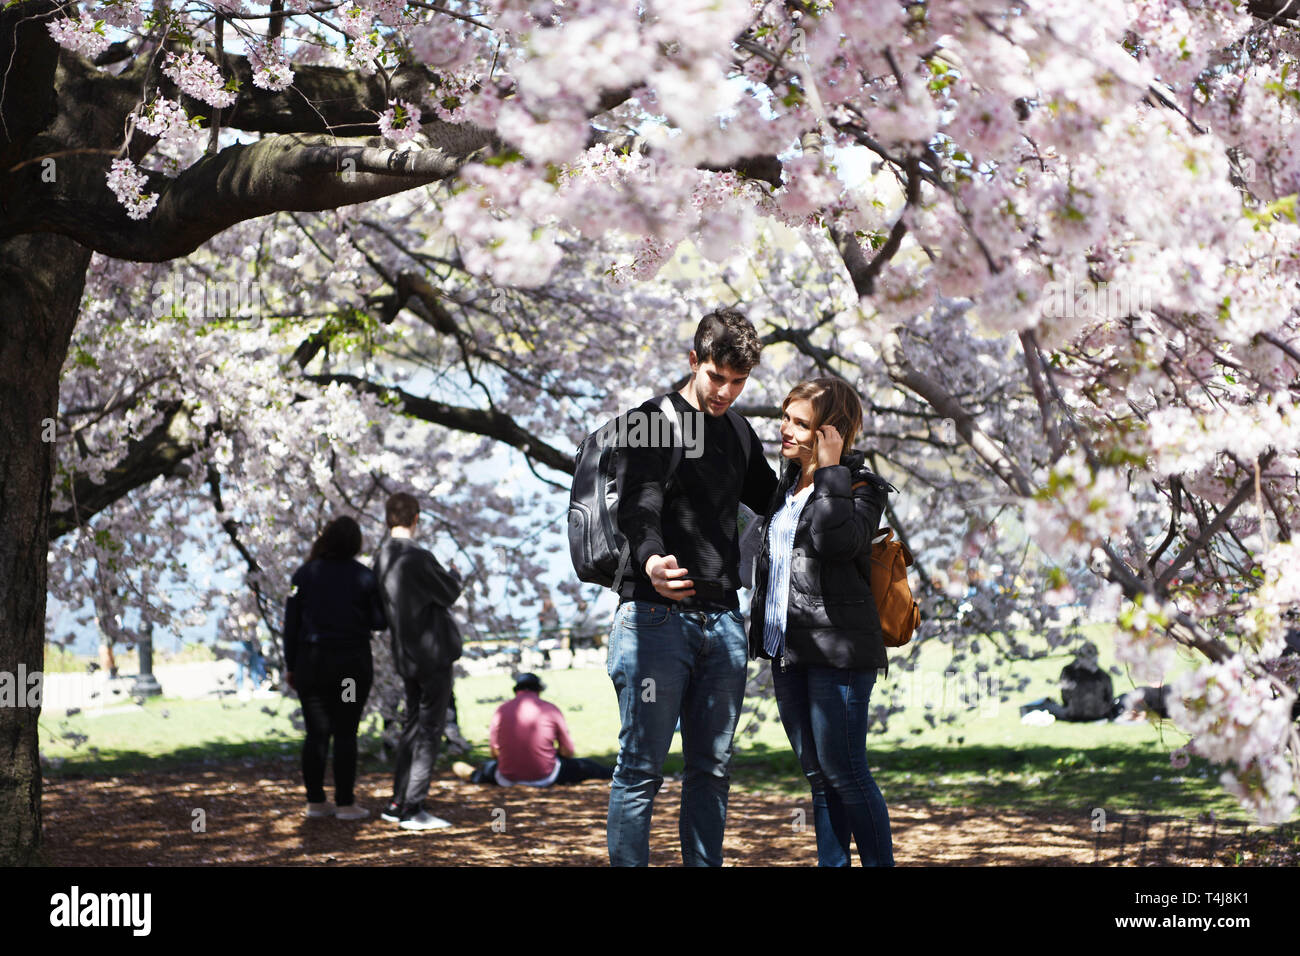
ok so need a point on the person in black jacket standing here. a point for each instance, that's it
(813, 616)
(677, 645)
(417, 594)
(333, 606)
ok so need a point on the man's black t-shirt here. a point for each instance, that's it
(692, 513)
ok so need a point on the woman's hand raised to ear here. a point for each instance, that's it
(830, 446)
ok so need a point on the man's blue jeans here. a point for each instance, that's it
(824, 710)
(669, 663)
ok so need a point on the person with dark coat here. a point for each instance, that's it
(1087, 692)
(813, 616)
(417, 593)
(332, 607)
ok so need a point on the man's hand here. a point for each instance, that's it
(668, 579)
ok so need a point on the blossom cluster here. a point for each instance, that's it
(179, 135)
(199, 77)
(1112, 182)
(127, 183)
(84, 35)
(271, 69)
(400, 122)
(1237, 718)
(1076, 508)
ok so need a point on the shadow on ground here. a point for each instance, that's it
(250, 813)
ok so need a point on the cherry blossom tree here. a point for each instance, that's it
(1067, 289)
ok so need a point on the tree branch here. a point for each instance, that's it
(1274, 11)
(1033, 359)
(1182, 629)
(1175, 508)
(864, 272)
(161, 452)
(1213, 528)
(490, 424)
(327, 99)
(29, 60)
(231, 527)
(903, 372)
(293, 172)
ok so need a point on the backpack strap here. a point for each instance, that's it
(670, 413)
(674, 459)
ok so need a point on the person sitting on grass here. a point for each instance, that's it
(1087, 692)
(531, 746)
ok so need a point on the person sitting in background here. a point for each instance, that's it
(531, 745)
(1087, 692)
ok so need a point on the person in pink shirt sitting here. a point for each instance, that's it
(531, 745)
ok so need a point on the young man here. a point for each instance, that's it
(417, 593)
(531, 746)
(677, 649)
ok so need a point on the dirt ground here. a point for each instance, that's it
(252, 815)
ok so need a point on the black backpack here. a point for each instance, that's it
(599, 551)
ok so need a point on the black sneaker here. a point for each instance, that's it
(392, 813)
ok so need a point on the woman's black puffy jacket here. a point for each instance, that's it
(831, 620)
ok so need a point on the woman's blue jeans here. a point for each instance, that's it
(824, 710)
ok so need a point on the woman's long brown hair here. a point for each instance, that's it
(834, 402)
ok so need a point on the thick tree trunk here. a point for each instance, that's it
(41, 281)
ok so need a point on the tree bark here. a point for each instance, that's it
(41, 281)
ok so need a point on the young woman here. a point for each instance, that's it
(813, 615)
(333, 606)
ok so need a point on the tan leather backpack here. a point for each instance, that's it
(899, 614)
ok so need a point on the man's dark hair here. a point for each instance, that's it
(402, 510)
(340, 539)
(727, 339)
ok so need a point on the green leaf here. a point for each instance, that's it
(500, 159)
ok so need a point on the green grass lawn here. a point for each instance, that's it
(973, 749)
(165, 733)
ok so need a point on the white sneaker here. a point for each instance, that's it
(424, 820)
(351, 812)
(315, 810)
